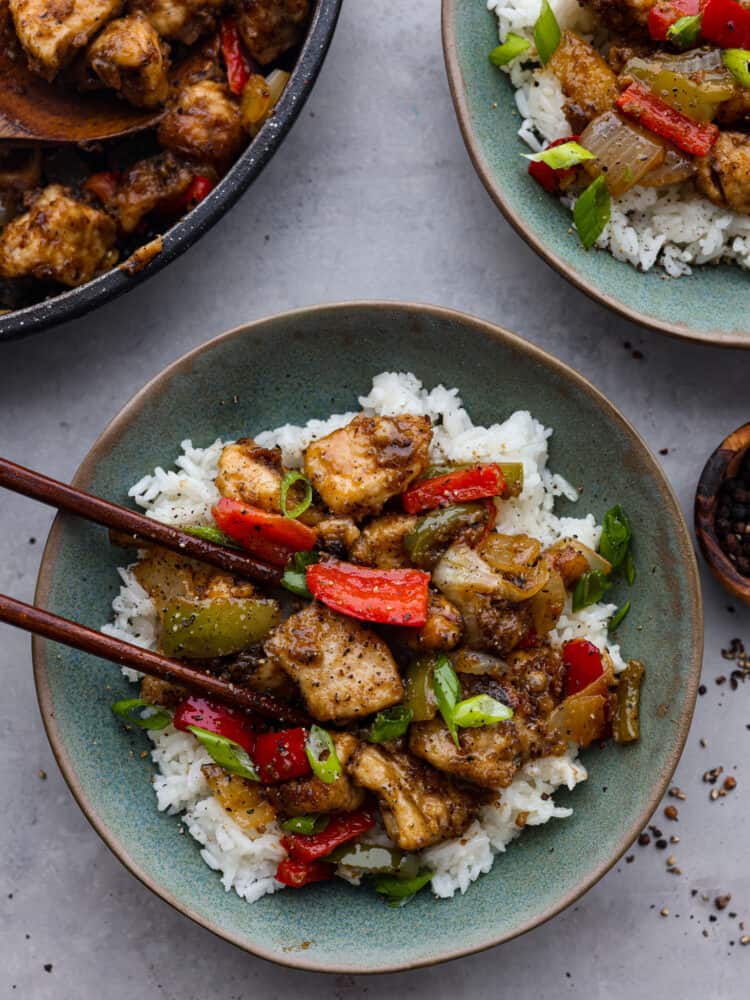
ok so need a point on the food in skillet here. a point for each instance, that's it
(214, 69)
(444, 629)
(638, 112)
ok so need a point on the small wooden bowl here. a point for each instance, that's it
(723, 464)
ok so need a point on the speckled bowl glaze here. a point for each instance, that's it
(307, 364)
(711, 305)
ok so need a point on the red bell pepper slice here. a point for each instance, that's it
(103, 185)
(342, 828)
(295, 874)
(269, 536)
(547, 176)
(693, 137)
(388, 596)
(281, 756)
(219, 719)
(235, 60)
(199, 187)
(663, 15)
(584, 663)
(461, 486)
(726, 23)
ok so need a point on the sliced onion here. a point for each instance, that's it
(624, 151)
(676, 168)
(468, 661)
(548, 604)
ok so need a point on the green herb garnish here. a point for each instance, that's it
(390, 724)
(619, 616)
(447, 688)
(685, 31)
(590, 589)
(306, 825)
(137, 712)
(286, 484)
(567, 154)
(546, 33)
(230, 755)
(322, 755)
(616, 535)
(295, 574)
(398, 891)
(511, 48)
(737, 61)
(480, 710)
(210, 534)
(592, 211)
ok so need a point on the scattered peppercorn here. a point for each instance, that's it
(661, 844)
(671, 813)
(644, 840)
(722, 902)
(732, 517)
(730, 783)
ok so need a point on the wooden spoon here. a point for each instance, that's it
(723, 464)
(32, 110)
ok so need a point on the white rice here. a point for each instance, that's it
(674, 227)
(247, 865)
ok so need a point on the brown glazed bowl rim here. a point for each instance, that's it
(75, 302)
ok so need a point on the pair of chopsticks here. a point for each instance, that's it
(25, 616)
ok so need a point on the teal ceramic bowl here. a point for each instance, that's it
(711, 305)
(309, 364)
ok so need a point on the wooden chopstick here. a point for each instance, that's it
(88, 640)
(63, 497)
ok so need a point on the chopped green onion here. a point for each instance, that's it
(230, 755)
(589, 589)
(295, 574)
(685, 31)
(546, 33)
(371, 859)
(390, 724)
(286, 483)
(616, 535)
(480, 710)
(447, 688)
(137, 712)
(737, 61)
(306, 825)
(398, 891)
(511, 48)
(567, 154)
(592, 211)
(628, 569)
(619, 616)
(322, 755)
(210, 534)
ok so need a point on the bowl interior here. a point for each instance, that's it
(310, 364)
(75, 302)
(710, 305)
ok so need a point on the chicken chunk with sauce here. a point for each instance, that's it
(269, 28)
(148, 186)
(130, 57)
(58, 239)
(52, 32)
(381, 542)
(301, 796)
(420, 806)
(724, 174)
(361, 466)
(245, 801)
(344, 670)
(204, 124)
(180, 20)
(587, 82)
(623, 15)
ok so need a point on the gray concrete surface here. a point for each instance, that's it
(372, 196)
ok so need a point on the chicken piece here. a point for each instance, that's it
(486, 756)
(619, 54)
(271, 27)
(311, 795)
(252, 669)
(129, 57)
(443, 630)
(381, 543)
(155, 184)
(179, 20)
(735, 111)
(158, 692)
(252, 475)
(203, 123)
(52, 32)
(58, 239)
(359, 467)
(586, 80)
(569, 562)
(245, 801)
(623, 16)
(420, 806)
(344, 671)
(337, 535)
(724, 174)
